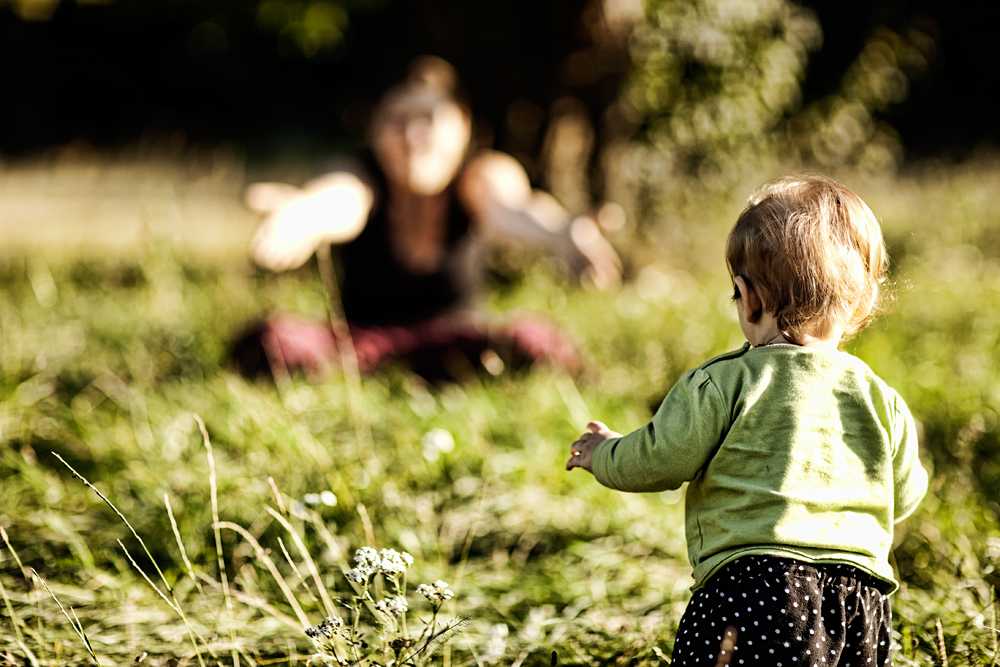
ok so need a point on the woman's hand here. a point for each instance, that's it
(602, 265)
(331, 209)
(495, 190)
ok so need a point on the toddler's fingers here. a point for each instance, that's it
(597, 427)
(575, 450)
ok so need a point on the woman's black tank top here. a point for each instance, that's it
(377, 290)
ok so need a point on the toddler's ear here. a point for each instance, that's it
(748, 300)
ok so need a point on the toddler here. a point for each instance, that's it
(798, 458)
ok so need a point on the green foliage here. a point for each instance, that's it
(717, 86)
(298, 28)
(715, 78)
(105, 363)
(303, 28)
(844, 128)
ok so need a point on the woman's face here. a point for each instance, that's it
(420, 142)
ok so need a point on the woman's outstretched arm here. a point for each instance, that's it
(494, 188)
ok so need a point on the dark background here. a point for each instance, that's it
(114, 73)
(951, 110)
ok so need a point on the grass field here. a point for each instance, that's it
(121, 287)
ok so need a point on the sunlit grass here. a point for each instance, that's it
(108, 361)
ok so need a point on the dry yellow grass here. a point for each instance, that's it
(82, 204)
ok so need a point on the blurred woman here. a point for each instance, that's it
(410, 220)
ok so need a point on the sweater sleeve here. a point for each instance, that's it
(909, 477)
(676, 444)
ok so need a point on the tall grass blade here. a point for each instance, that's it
(264, 558)
(148, 580)
(366, 521)
(213, 486)
(295, 568)
(348, 355)
(29, 580)
(16, 622)
(348, 359)
(310, 564)
(996, 627)
(195, 637)
(120, 516)
(331, 543)
(180, 543)
(77, 629)
(278, 500)
(253, 601)
(17, 559)
(579, 413)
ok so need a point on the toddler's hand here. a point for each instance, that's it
(582, 450)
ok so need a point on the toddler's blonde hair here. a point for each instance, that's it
(813, 251)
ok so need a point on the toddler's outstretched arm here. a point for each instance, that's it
(582, 450)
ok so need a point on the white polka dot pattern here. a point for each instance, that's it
(810, 614)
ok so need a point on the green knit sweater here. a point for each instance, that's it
(789, 451)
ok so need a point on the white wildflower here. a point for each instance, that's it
(396, 605)
(496, 645)
(328, 498)
(327, 628)
(436, 592)
(393, 562)
(367, 561)
(357, 576)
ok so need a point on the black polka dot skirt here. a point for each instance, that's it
(780, 612)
